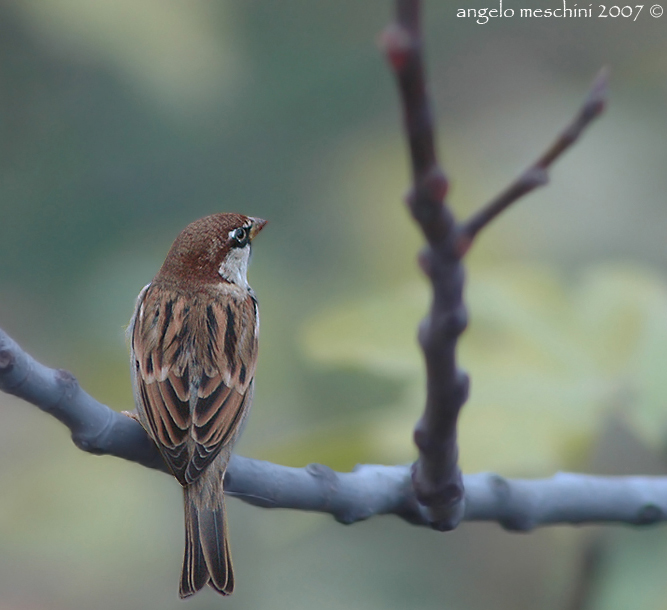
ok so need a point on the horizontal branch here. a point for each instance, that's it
(349, 497)
(95, 427)
(565, 498)
(515, 504)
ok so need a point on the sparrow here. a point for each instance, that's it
(193, 347)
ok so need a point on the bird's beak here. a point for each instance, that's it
(257, 226)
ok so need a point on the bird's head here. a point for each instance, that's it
(212, 249)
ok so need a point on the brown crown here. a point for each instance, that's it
(200, 248)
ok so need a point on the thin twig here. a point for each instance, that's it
(537, 174)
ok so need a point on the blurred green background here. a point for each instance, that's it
(123, 120)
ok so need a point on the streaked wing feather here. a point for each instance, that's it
(216, 434)
(219, 365)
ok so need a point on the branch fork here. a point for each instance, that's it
(436, 477)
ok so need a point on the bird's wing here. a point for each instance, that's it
(194, 364)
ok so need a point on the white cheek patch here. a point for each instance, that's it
(234, 268)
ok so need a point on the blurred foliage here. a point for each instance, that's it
(120, 122)
(548, 359)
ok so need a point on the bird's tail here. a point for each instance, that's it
(207, 559)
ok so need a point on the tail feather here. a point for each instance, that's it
(228, 587)
(213, 537)
(207, 558)
(195, 573)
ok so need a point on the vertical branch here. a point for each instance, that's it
(436, 476)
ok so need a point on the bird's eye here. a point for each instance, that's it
(240, 236)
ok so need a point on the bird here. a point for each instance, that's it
(193, 348)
